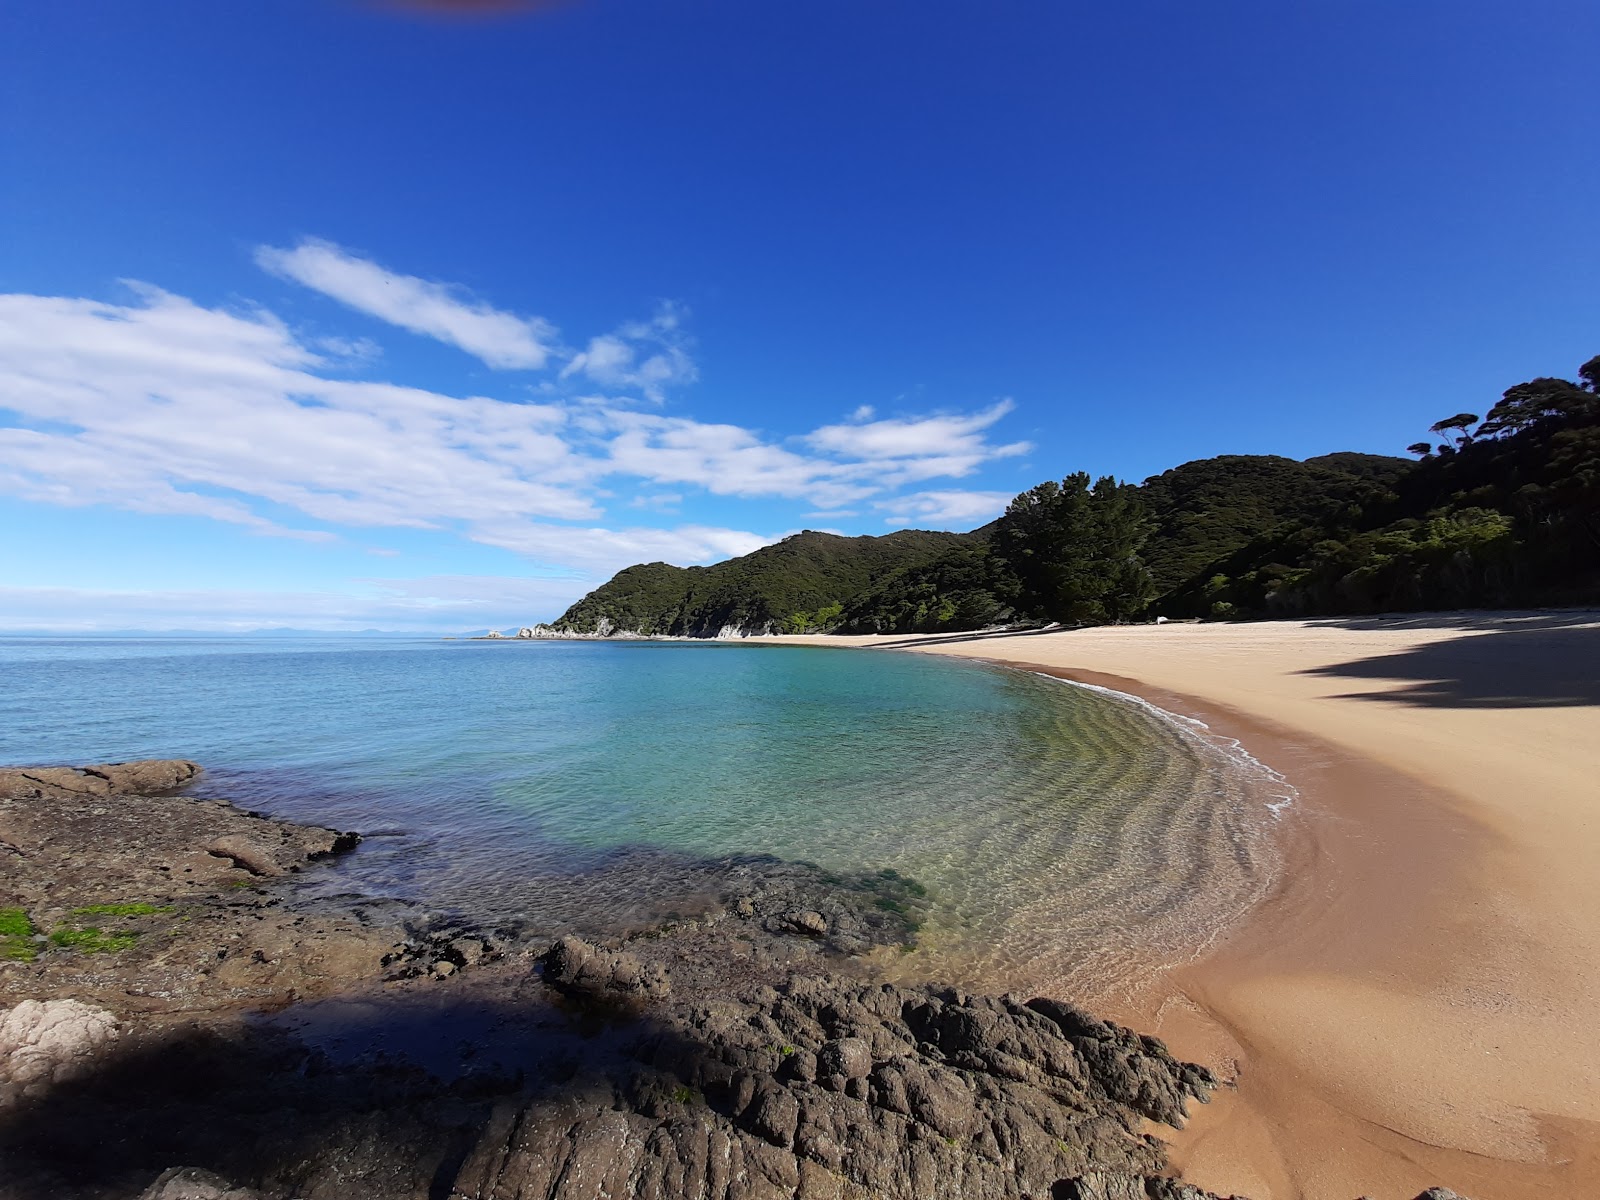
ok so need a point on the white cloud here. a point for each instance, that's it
(169, 407)
(349, 352)
(165, 406)
(600, 552)
(659, 501)
(644, 356)
(499, 338)
(944, 509)
(904, 450)
(726, 460)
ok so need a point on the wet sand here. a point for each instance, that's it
(1416, 1004)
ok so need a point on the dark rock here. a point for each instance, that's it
(170, 881)
(850, 1057)
(1100, 1185)
(1174, 1189)
(1440, 1193)
(807, 920)
(1131, 1069)
(831, 1087)
(573, 966)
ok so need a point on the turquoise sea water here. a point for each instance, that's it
(1063, 833)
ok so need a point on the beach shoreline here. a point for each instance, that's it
(1412, 1004)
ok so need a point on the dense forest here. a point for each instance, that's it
(796, 585)
(1492, 511)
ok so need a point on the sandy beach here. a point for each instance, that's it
(1416, 1004)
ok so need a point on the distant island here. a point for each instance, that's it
(1498, 512)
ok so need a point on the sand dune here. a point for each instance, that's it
(1417, 1006)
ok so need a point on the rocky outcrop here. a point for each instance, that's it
(130, 896)
(826, 1088)
(148, 777)
(603, 630)
(575, 967)
(100, 834)
(48, 1042)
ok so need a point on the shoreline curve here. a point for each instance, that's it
(1413, 1004)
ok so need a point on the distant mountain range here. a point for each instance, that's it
(1502, 512)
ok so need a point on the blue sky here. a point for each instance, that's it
(339, 314)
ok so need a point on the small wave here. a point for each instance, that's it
(1232, 748)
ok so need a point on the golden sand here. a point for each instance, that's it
(1419, 1003)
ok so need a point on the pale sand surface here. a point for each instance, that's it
(1420, 1002)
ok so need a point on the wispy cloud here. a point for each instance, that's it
(501, 339)
(163, 405)
(598, 551)
(943, 509)
(644, 356)
(726, 460)
(908, 449)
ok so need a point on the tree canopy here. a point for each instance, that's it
(1074, 550)
(1505, 510)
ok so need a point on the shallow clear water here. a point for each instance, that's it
(1066, 835)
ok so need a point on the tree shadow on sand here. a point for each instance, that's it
(976, 635)
(1537, 660)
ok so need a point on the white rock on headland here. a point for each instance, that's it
(46, 1042)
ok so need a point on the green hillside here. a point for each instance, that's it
(1209, 508)
(963, 588)
(1503, 511)
(795, 585)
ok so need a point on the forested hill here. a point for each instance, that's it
(1213, 506)
(798, 584)
(920, 580)
(1499, 511)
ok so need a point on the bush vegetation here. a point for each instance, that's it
(16, 936)
(1499, 511)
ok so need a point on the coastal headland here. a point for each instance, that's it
(1415, 1002)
